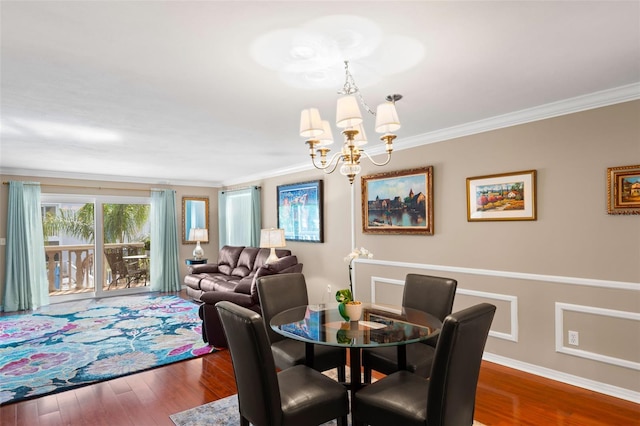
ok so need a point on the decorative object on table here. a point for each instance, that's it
(195, 214)
(198, 234)
(73, 344)
(272, 238)
(350, 310)
(623, 190)
(398, 202)
(349, 118)
(505, 196)
(300, 213)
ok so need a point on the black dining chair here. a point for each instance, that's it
(278, 293)
(295, 396)
(447, 398)
(433, 295)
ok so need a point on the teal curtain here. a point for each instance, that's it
(239, 217)
(165, 263)
(26, 285)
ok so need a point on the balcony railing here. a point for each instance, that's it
(70, 267)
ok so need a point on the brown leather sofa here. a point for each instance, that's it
(233, 278)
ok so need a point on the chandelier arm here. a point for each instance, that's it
(362, 151)
(327, 164)
(335, 166)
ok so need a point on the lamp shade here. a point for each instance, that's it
(387, 118)
(326, 138)
(198, 234)
(272, 237)
(347, 112)
(310, 123)
(361, 138)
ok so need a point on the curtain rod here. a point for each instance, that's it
(240, 189)
(61, 185)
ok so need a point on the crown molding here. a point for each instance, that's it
(594, 100)
(8, 171)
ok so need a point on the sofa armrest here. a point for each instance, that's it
(213, 297)
(207, 267)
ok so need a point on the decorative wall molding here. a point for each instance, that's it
(621, 285)
(603, 388)
(559, 337)
(513, 303)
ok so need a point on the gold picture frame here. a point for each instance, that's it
(505, 196)
(195, 214)
(398, 202)
(623, 190)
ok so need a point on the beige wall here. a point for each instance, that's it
(575, 268)
(573, 254)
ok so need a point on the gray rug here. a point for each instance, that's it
(223, 412)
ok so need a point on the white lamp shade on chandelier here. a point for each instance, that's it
(198, 234)
(349, 119)
(272, 238)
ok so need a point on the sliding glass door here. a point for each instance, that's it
(84, 262)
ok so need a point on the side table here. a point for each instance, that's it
(195, 261)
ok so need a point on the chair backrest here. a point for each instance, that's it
(253, 365)
(433, 295)
(456, 366)
(278, 293)
(116, 262)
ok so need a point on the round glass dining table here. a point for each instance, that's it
(379, 325)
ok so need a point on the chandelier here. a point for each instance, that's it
(348, 118)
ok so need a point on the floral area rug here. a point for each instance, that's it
(74, 344)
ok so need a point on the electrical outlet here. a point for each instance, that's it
(574, 338)
(329, 288)
(3, 242)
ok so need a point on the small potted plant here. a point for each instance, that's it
(350, 310)
(147, 245)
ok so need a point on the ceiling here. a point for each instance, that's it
(210, 93)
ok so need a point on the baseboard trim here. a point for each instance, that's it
(570, 379)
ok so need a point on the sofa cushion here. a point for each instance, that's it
(244, 285)
(264, 253)
(272, 269)
(245, 262)
(228, 259)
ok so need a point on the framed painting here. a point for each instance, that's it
(623, 190)
(398, 202)
(506, 196)
(300, 211)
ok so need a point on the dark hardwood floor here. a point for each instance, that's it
(505, 397)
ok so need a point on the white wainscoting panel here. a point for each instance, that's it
(560, 347)
(513, 303)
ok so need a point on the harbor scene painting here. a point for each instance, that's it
(398, 202)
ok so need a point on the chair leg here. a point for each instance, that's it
(342, 421)
(243, 421)
(342, 375)
(367, 375)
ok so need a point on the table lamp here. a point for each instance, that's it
(198, 234)
(272, 238)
